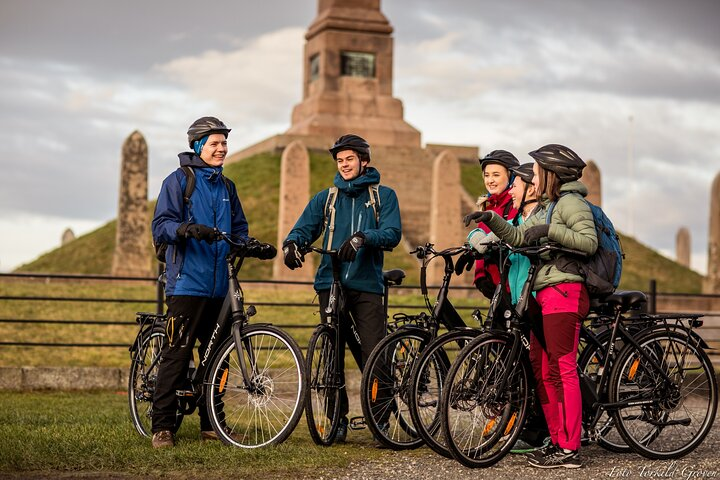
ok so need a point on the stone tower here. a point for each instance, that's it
(682, 247)
(347, 85)
(132, 249)
(712, 281)
(593, 181)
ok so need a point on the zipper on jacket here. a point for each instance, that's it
(564, 294)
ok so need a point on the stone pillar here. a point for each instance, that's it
(67, 236)
(682, 247)
(445, 212)
(294, 196)
(132, 240)
(712, 281)
(592, 180)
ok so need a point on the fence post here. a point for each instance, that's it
(160, 308)
(653, 297)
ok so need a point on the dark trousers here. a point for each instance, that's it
(366, 312)
(189, 319)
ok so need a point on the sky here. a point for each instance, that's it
(632, 84)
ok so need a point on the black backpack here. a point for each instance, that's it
(161, 247)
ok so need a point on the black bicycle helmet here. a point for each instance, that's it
(205, 126)
(565, 163)
(354, 143)
(524, 171)
(500, 157)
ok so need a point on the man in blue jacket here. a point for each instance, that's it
(197, 275)
(363, 227)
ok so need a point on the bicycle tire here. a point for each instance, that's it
(266, 411)
(428, 378)
(480, 430)
(590, 361)
(385, 388)
(142, 379)
(676, 417)
(322, 397)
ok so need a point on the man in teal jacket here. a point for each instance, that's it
(366, 222)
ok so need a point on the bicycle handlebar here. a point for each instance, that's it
(250, 247)
(536, 250)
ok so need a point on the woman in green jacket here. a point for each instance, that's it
(561, 293)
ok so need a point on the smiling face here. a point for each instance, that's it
(215, 150)
(496, 178)
(516, 192)
(349, 164)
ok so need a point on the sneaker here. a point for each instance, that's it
(163, 439)
(542, 452)
(559, 459)
(341, 432)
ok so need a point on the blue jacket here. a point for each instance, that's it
(195, 267)
(354, 213)
(518, 272)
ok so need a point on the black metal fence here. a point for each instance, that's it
(711, 330)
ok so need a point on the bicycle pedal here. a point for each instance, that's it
(357, 423)
(184, 393)
(432, 403)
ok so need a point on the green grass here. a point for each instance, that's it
(90, 433)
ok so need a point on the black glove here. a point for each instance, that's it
(263, 251)
(480, 217)
(464, 262)
(536, 232)
(198, 231)
(293, 258)
(349, 248)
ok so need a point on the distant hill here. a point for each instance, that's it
(258, 182)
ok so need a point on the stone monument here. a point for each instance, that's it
(682, 247)
(347, 84)
(67, 236)
(593, 181)
(294, 195)
(445, 211)
(132, 247)
(712, 281)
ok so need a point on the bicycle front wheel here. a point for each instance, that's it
(322, 397)
(385, 388)
(142, 380)
(264, 408)
(428, 380)
(485, 401)
(664, 419)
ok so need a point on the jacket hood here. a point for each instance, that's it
(574, 186)
(191, 159)
(359, 184)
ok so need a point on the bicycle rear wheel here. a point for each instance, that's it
(266, 409)
(480, 422)
(142, 380)
(428, 380)
(322, 397)
(385, 388)
(665, 419)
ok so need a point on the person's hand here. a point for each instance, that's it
(198, 231)
(536, 232)
(263, 251)
(464, 262)
(293, 258)
(348, 250)
(480, 217)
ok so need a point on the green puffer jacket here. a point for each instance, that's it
(571, 225)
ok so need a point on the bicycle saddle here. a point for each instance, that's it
(626, 300)
(393, 277)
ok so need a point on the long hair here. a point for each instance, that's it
(548, 185)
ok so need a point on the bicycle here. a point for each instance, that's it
(484, 406)
(322, 397)
(251, 377)
(386, 389)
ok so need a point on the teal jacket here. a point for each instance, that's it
(519, 266)
(572, 226)
(354, 213)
